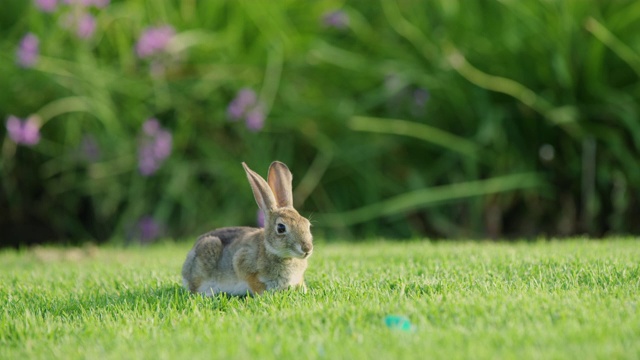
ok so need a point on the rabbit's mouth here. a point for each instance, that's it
(306, 254)
(300, 253)
(288, 252)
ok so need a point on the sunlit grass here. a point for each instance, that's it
(574, 299)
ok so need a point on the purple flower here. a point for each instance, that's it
(151, 127)
(28, 51)
(420, 97)
(78, 2)
(162, 144)
(260, 218)
(90, 148)
(85, 26)
(147, 163)
(154, 40)
(147, 229)
(101, 3)
(246, 105)
(47, 6)
(245, 99)
(336, 19)
(255, 119)
(25, 132)
(155, 146)
(87, 3)
(82, 22)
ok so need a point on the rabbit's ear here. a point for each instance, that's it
(280, 182)
(261, 191)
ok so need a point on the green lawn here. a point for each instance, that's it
(573, 299)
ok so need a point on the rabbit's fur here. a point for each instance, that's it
(242, 260)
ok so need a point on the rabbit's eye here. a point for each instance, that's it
(281, 229)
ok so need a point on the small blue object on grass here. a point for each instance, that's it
(396, 322)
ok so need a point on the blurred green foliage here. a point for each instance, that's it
(400, 118)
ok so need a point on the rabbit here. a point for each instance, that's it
(246, 260)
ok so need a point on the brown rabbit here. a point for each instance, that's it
(241, 260)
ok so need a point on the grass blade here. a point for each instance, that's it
(421, 131)
(612, 42)
(429, 197)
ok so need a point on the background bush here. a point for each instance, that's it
(398, 119)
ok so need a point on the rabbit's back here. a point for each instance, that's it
(228, 235)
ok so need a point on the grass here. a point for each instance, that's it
(570, 299)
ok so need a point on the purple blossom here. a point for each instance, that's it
(420, 97)
(155, 146)
(163, 144)
(260, 218)
(83, 23)
(25, 132)
(151, 127)
(78, 3)
(147, 162)
(154, 40)
(90, 148)
(147, 229)
(47, 6)
(245, 99)
(100, 4)
(255, 119)
(246, 105)
(85, 26)
(28, 51)
(336, 19)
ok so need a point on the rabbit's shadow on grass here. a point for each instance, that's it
(140, 299)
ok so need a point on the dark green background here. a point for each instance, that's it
(505, 80)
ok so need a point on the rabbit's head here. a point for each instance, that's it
(287, 234)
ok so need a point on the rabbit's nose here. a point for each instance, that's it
(307, 248)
